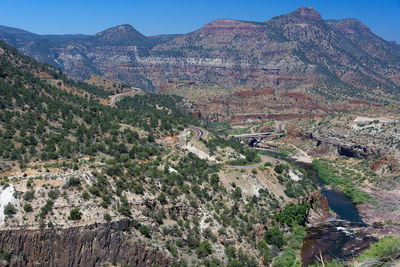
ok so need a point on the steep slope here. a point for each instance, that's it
(126, 184)
(10, 35)
(225, 52)
(341, 64)
(379, 51)
(300, 48)
(110, 53)
(123, 35)
(297, 54)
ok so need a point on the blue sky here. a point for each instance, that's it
(180, 16)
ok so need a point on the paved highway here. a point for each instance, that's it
(115, 98)
(280, 126)
(198, 132)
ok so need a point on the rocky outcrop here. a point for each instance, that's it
(90, 245)
(307, 13)
(229, 26)
(354, 151)
(336, 240)
(344, 147)
(319, 209)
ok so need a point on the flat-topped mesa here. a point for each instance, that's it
(229, 26)
(307, 13)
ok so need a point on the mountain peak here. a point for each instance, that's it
(307, 13)
(122, 35)
(124, 28)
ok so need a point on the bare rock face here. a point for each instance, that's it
(307, 13)
(228, 26)
(345, 147)
(319, 211)
(299, 51)
(91, 245)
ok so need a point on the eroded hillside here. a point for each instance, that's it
(323, 62)
(135, 181)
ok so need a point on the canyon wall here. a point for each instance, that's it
(90, 245)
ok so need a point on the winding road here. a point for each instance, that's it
(199, 132)
(280, 126)
(115, 98)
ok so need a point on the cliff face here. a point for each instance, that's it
(91, 245)
(319, 211)
(331, 59)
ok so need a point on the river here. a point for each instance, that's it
(339, 203)
(341, 239)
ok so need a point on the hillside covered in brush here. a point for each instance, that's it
(75, 170)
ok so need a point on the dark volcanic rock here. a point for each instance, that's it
(337, 240)
(344, 147)
(91, 245)
(354, 151)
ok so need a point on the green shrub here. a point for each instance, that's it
(385, 250)
(274, 236)
(46, 209)
(204, 249)
(72, 182)
(280, 168)
(85, 195)
(287, 258)
(107, 217)
(53, 194)
(5, 256)
(173, 250)
(28, 207)
(29, 195)
(162, 198)
(293, 214)
(145, 230)
(75, 214)
(124, 208)
(230, 252)
(265, 252)
(9, 210)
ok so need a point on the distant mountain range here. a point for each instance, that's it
(326, 59)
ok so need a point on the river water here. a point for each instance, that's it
(339, 203)
(341, 239)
